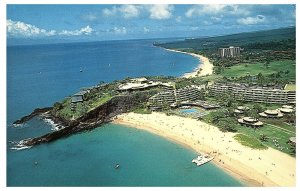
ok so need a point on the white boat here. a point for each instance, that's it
(200, 160)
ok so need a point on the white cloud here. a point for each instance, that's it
(216, 9)
(178, 19)
(146, 30)
(83, 31)
(121, 30)
(126, 11)
(160, 12)
(21, 29)
(207, 22)
(215, 19)
(109, 12)
(129, 11)
(18, 28)
(194, 28)
(89, 17)
(252, 20)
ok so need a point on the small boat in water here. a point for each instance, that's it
(117, 166)
(200, 160)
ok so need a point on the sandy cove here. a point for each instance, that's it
(254, 167)
(204, 67)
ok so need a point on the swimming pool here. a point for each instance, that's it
(189, 110)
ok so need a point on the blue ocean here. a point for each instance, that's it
(39, 75)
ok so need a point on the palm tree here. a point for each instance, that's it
(267, 63)
(263, 138)
(260, 78)
(290, 118)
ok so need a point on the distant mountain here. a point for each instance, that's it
(239, 39)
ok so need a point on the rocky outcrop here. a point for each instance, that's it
(90, 120)
(36, 112)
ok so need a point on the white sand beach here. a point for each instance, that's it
(254, 167)
(204, 68)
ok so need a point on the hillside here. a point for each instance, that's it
(241, 39)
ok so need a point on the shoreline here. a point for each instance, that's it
(205, 67)
(230, 156)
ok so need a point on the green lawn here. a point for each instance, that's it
(280, 123)
(249, 141)
(67, 113)
(240, 70)
(81, 108)
(142, 111)
(98, 102)
(256, 68)
(272, 133)
(291, 87)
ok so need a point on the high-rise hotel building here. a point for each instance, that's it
(230, 52)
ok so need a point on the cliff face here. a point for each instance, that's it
(90, 120)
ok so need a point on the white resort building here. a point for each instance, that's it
(189, 93)
(162, 98)
(186, 94)
(255, 93)
(143, 84)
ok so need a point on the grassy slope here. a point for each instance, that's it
(81, 108)
(98, 102)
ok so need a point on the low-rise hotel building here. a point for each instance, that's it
(79, 96)
(162, 98)
(189, 93)
(168, 97)
(138, 84)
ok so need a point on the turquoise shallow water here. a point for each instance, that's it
(88, 159)
(189, 110)
(38, 76)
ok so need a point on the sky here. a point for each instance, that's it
(119, 22)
